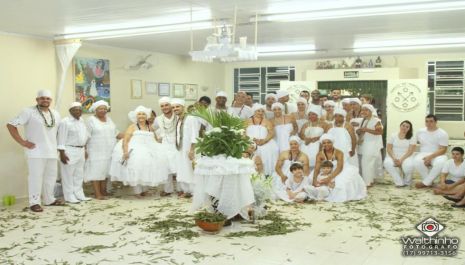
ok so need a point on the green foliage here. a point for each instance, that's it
(227, 136)
(209, 217)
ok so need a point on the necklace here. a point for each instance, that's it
(326, 156)
(181, 129)
(253, 121)
(52, 124)
(168, 124)
(291, 158)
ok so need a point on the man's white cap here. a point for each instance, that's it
(44, 93)
(75, 104)
(221, 94)
(98, 104)
(271, 95)
(339, 111)
(164, 100)
(281, 93)
(330, 103)
(178, 101)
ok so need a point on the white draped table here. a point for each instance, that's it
(228, 181)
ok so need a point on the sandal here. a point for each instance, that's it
(57, 203)
(36, 208)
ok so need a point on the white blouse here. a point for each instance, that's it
(400, 146)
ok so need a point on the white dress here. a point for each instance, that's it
(300, 123)
(343, 142)
(294, 187)
(312, 149)
(268, 152)
(281, 136)
(99, 148)
(349, 185)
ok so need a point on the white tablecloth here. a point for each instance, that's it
(226, 179)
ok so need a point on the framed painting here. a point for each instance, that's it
(191, 91)
(178, 91)
(91, 81)
(150, 88)
(164, 89)
(136, 89)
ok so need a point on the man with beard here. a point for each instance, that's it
(239, 108)
(336, 97)
(41, 125)
(72, 138)
(165, 126)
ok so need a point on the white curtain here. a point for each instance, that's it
(65, 54)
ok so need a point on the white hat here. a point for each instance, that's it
(75, 104)
(302, 100)
(164, 100)
(294, 138)
(271, 95)
(356, 100)
(281, 93)
(257, 106)
(345, 101)
(327, 136)
(178, 101)
(277, 105)
(44, 93)
(370, 108)
(132, 115)
(314, 109)
(221, 94)
(339, 111)
(329, 103)
(99, 104)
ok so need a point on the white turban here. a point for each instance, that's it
(178, 101)
(329, 103)
(303, 100)
(339, 111)
(281, 93)
(356, 100)
(345, 101)
(327, 136)
(132, 115)
(271, 95)
(99, 104)
(221, 94)
(294, 138)
(75, 104)
(44, 93)
(277, 105)
(164, 100)
(314, 109)
(257, 106)
(370, 108)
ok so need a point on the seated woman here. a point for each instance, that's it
(285, 125)
(349, 184)
(399, 160)
(285, 160)
(142, 159)
(455, 169)
(261, 132)
(295, 185)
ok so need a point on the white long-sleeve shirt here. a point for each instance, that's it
(72, 132)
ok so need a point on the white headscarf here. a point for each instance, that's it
(370, 108)
(257, 106)
(345, 101)
(294, 138)
(277, 105)
(99, 104)
(271, 95)
(178, 101)
(340, 112)
(281, 93)
(302, 100)
(327, 136)
(164, 100)
(356, 100)
(314, 109)
(132, 115)
(330, 103)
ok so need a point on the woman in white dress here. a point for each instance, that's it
(344, 136)
(453, 173)
(301, 115)
(348, 184)
(328, 115)
(311, 133)
(103, 136)
(284, 126)
(261, 131)
(399, 160)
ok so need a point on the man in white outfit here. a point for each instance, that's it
(239, 108)
(433, 146)
(72, 138)
(165, 126)
(41, 125)
(283, 98)
(221, 99)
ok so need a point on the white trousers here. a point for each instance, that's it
(41, 180)
(369, 168)
(72, 176)
(401, 177)
(318, 193)
(429, 175)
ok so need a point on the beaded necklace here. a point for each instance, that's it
(291, 158)
(181, 130)
(45, 120)
(169, 126)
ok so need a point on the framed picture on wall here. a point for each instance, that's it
(192, 91)
(150, 88)
(164, 89)
(178, 91)
(136, 89)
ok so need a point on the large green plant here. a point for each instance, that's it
(227, 136)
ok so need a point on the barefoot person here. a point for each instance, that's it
(294, 187)
(40, 127)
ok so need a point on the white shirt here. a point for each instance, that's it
(431, 141)
(72, 132)
(400, 146)
(454, 172)
(297, 187)
(37, 132)
(166, 128)
(243, 112)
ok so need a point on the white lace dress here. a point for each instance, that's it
(268, 152)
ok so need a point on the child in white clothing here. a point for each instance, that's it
(295, 185)
(320, 192)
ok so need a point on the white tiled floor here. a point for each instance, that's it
(340, 233)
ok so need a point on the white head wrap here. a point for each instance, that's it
(327, 136)
(294, 138)
(303, 100)
(75, 104)
(178, 101)
(44, 93)
(370, 108)
(277, 105)
(221, 94)
(314, 109)
(339, 111)
(257, 106)
(356, 100)
(132, 115)
(281, 93)
(99, 104)
(271, 95)
(329, 103)
(164, 100)
(345, 101)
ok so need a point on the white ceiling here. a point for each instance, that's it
(50, 18)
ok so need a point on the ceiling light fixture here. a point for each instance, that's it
(415, 47)
(407, 44)
(289, 50)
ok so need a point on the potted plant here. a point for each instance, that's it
(209, 221)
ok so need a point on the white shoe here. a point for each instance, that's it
(73, 201)
(84, 199)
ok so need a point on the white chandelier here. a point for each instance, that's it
(220, 46)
